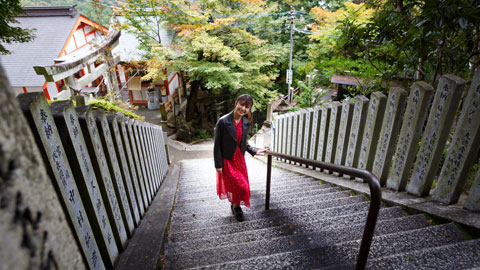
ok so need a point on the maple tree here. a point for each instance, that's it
(213, 46)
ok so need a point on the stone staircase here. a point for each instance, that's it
(311, 225)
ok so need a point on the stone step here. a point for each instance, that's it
(257, 199)
(186, 192)
(319, 251)
(323, 217)
(275, 178)
(229, 218)
(461, 255)
(255, 211)
(255, 192)
(331, 233)
(276, 201)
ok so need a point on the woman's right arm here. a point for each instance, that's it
(217, 146)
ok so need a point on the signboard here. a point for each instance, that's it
(289, 76)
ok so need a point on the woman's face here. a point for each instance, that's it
(241, 107)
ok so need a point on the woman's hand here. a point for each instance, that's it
(261, 152)
(219, 170)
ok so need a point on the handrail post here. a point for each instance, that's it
(370, 224)
(375, 197)
(269, 176)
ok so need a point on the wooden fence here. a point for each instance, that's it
(392, 137)
(105, 169)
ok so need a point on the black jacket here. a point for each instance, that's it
(226, 139)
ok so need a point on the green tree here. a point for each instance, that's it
(425, 38)
(213, 45)
(8, 32)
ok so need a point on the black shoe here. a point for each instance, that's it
(237, 211)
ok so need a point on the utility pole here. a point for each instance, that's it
(290, 71)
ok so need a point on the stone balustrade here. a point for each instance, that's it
(400, 137)
(105, 169)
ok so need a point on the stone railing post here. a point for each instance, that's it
(463, 148)
(473, 199)
(122, 163)
(114, 168)
(343, 132)
(371, 132)
(323, 132)
(438, 127)
(307, 133)
(333, 129)
(316, 119)
(133, 135)
(95, 149)
(388, 135)
(131, 165)
(72, 138)
(412, 126)
(301, 132)
(360, 111)
(37, 112)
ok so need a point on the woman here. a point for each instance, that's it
(229, 151)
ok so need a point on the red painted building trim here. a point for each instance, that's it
(45, 91)
(130, 93)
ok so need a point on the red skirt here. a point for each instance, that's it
(232, 183)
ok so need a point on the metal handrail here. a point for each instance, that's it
(375, 197)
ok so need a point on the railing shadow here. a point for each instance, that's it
(375, 197)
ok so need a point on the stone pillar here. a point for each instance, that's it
(150, 146)
(158, 170)
(412, 126)
(28, 196)
(300, 133)
(343, 132)
(144, 158)
(131, 165)
(132, 134)
(438, 127)
(284, 133)
(148, 155)
(371, 132)
(323, 132)
(391, 124)
(268, 120)
(463, 149)
(125, 173)
(473, 199)
(99, 162)
(115, 172)
(332, 137)
(294, 135)
(73, 142)
(288, 141)
(316, 119)
(360, 111)
(308, 133)
(36, 110)
(163, 138)
(275, 131)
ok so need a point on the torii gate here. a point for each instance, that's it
(85, 58)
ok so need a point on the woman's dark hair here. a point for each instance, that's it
(246, 100)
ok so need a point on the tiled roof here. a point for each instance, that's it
(51, 35)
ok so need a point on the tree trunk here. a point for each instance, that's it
(192, 100)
